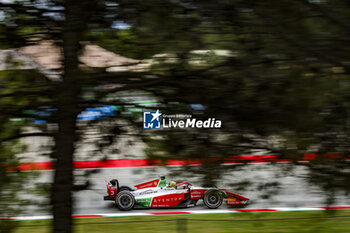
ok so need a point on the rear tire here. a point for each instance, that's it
(213, 198)
(124, 188)
(125, 200)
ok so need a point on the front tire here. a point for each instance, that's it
(213, 198)
(125, 200)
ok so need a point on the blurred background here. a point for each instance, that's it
(76, 77)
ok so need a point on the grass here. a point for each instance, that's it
(269, 222)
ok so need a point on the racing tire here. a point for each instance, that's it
(124, 188)
(213, 198)
(125, 200)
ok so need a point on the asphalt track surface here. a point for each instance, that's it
(293, 192)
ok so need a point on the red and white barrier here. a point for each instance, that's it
(122, 163)
(219, 211)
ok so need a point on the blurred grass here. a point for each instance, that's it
(269, 222)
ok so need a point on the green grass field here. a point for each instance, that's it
(297, 221)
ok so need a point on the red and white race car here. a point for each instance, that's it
(158, 194)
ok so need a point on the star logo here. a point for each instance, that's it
(156, 115)
(152, 120)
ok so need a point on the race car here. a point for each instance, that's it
(158, 194)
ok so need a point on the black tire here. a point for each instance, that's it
(213, 198)
(124, 188)
(125, 200)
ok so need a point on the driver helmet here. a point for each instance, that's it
(172, 184)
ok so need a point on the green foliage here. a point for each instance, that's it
(12, 180)
(19, 90)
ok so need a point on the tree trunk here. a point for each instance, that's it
(68, 94)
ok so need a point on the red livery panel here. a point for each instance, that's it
(111, 190)
(197, 194)
(149, 184)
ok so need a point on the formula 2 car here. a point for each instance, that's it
(158, 194)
